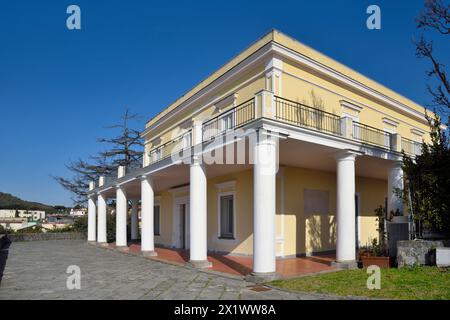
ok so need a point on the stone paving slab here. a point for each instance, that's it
(37, 270)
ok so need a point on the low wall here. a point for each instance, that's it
(47, 236)
(418, 252)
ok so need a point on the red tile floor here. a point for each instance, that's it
(242, 265)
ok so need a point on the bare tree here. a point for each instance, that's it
(435, 17)
(123, 150)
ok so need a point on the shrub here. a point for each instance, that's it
(80, 224)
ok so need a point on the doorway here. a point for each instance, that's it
(181, 225)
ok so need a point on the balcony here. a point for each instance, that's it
(171, 147)
(370, 135)
(411, 147)
(304, 116)
(229, 120)
(286, 111)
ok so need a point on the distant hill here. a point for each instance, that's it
(8, 201)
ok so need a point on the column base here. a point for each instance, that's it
(92, 242)
(149, 254)
(200, 264)
(260, 277)
(123, 248)
(348, 264)
(102, 244)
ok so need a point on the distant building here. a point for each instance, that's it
(78, 212)
(29, 214)
(7, 213)
(15, 223)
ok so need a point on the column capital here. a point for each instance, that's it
(396, 164)
(346, 155)
(196, 160)
(146, 177)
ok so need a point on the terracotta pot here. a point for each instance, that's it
(382, 262)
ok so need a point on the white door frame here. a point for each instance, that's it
(176, 242)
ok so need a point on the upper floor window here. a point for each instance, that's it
(156, 155)
(186, 140)
(227, 121)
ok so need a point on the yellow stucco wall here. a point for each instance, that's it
(303, 233)
(300, 86)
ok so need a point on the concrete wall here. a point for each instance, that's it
(418, 252)
(47, 236)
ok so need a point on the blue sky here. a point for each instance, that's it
(60, 88)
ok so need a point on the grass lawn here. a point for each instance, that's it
(405, 283)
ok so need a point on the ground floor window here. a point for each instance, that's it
(156, 217)
(227, 216)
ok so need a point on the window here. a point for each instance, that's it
(186, 141)
(227, 217)
(156, 217)
(156, 155)
(227, 121)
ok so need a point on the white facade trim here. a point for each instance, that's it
(350, 105)
(390, 122)
(226, 185)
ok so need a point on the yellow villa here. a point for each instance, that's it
(282, 152)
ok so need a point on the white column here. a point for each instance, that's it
(147, 202)
(101, 227)
(345, 208)
(91, 218)
(121, 217)
(264, 204)
(198, 212)
(134, 220)
(395, 181)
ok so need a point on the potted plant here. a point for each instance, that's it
(376, 252)
(397, 217)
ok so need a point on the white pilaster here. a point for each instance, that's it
(147, 203)
(91, 218)
(101, 228)
(345, 208)
(264, 204)
(134, 220)
(198, 222)
(121, 217)
(395, 181)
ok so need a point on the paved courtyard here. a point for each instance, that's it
(37, 270)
